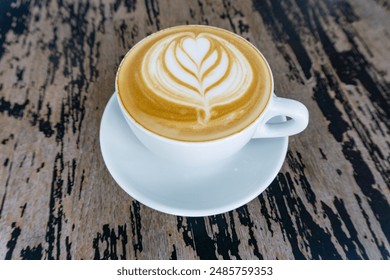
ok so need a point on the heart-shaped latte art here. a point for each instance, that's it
(197, 70)
(196, 48)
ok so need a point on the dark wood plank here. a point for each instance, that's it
(57, 68)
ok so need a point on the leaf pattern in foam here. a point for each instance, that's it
(201, 71)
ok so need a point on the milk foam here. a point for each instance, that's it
(194, 83)
(197, 70)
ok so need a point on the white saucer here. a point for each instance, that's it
(186, 191)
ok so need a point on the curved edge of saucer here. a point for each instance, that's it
(174, 210)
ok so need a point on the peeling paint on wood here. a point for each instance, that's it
(331, 199)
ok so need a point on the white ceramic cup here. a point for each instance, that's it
(206, 152)
(198, 153)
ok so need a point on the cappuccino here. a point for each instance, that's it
(194, 83)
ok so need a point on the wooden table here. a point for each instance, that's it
(330, 200)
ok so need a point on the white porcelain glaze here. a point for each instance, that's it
(208, 152)
(181, 190)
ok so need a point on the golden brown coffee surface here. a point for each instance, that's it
(194, 83)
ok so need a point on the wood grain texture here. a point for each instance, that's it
(331, 200)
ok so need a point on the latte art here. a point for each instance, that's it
(194, 83)
(197, 70)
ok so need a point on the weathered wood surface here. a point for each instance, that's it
(331, 200)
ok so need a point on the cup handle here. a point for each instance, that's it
(298, 118)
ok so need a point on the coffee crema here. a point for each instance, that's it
(194, 83)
